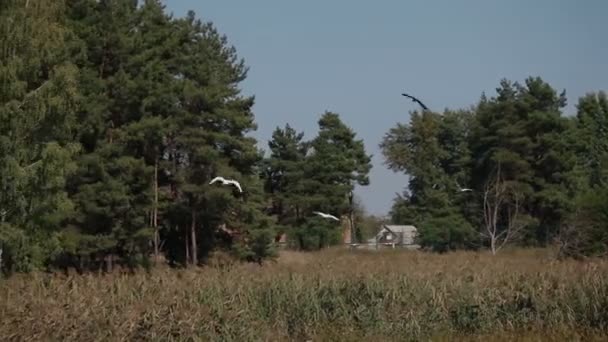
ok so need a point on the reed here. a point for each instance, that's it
(322, 296)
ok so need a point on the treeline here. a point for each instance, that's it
(115, 116)
(512, 169)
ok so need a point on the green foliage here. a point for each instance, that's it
(283, 173)
(38, 102)
(315, 233)
(317, 175)
(545, 160)
(584, 232)
(521, 129)
(366, 225)
(447, 232)
(590, 138)
(434, 151)
(115, 117)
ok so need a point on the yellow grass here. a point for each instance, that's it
(324, 296)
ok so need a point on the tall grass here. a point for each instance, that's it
(331, 295)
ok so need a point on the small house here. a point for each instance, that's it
(403, 236)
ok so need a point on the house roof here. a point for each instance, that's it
(400, 229)
(404, 232)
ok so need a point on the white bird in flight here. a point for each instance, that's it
(461, 189)
(227, 182)
(326, 215)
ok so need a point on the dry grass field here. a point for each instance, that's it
(333, 295)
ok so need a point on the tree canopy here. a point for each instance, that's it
(524, 160)
(115, 116)
(317, 175)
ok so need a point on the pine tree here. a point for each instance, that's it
(112, 186)
(337, 162)
(591, 137)
(153, 66)
(583, 232)
(283, 174)
(521, 130)
(209, 138)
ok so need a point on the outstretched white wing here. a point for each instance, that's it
(235, 183)
(217, 179)
(333, 217)
(461, 189)
(227, 182)
(324, 215)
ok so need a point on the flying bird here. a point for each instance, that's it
(326, 215)
(461, 189)
(417, 101)
(227, 182)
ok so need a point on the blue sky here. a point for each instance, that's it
(356, 58)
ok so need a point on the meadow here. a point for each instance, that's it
(330, 295)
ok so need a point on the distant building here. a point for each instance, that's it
(395, 236)
(391, 236)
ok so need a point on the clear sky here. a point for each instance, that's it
(356, 57)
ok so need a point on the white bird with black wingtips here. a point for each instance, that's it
(227, 182)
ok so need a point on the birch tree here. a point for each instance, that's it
(502, 214)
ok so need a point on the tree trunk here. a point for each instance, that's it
(194, 249)
(350, 218)
(353, 230)
(111, 132)
(109, 263)
(155, 214)
(493, 245)
(187, 243)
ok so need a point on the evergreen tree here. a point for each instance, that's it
(590, 139)
(114, 117)
(434, 150)
(210, 139)
(283, 173)
(111, 188)
(162, 115)
(583, 231)
(38, 96)
(153, 66)
(522, 130)
(336, 163)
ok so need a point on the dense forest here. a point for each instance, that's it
(513, 168)
(115, 116)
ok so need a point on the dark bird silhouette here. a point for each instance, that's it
(417, 101)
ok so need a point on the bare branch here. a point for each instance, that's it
(33, 92)
(501, 212)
